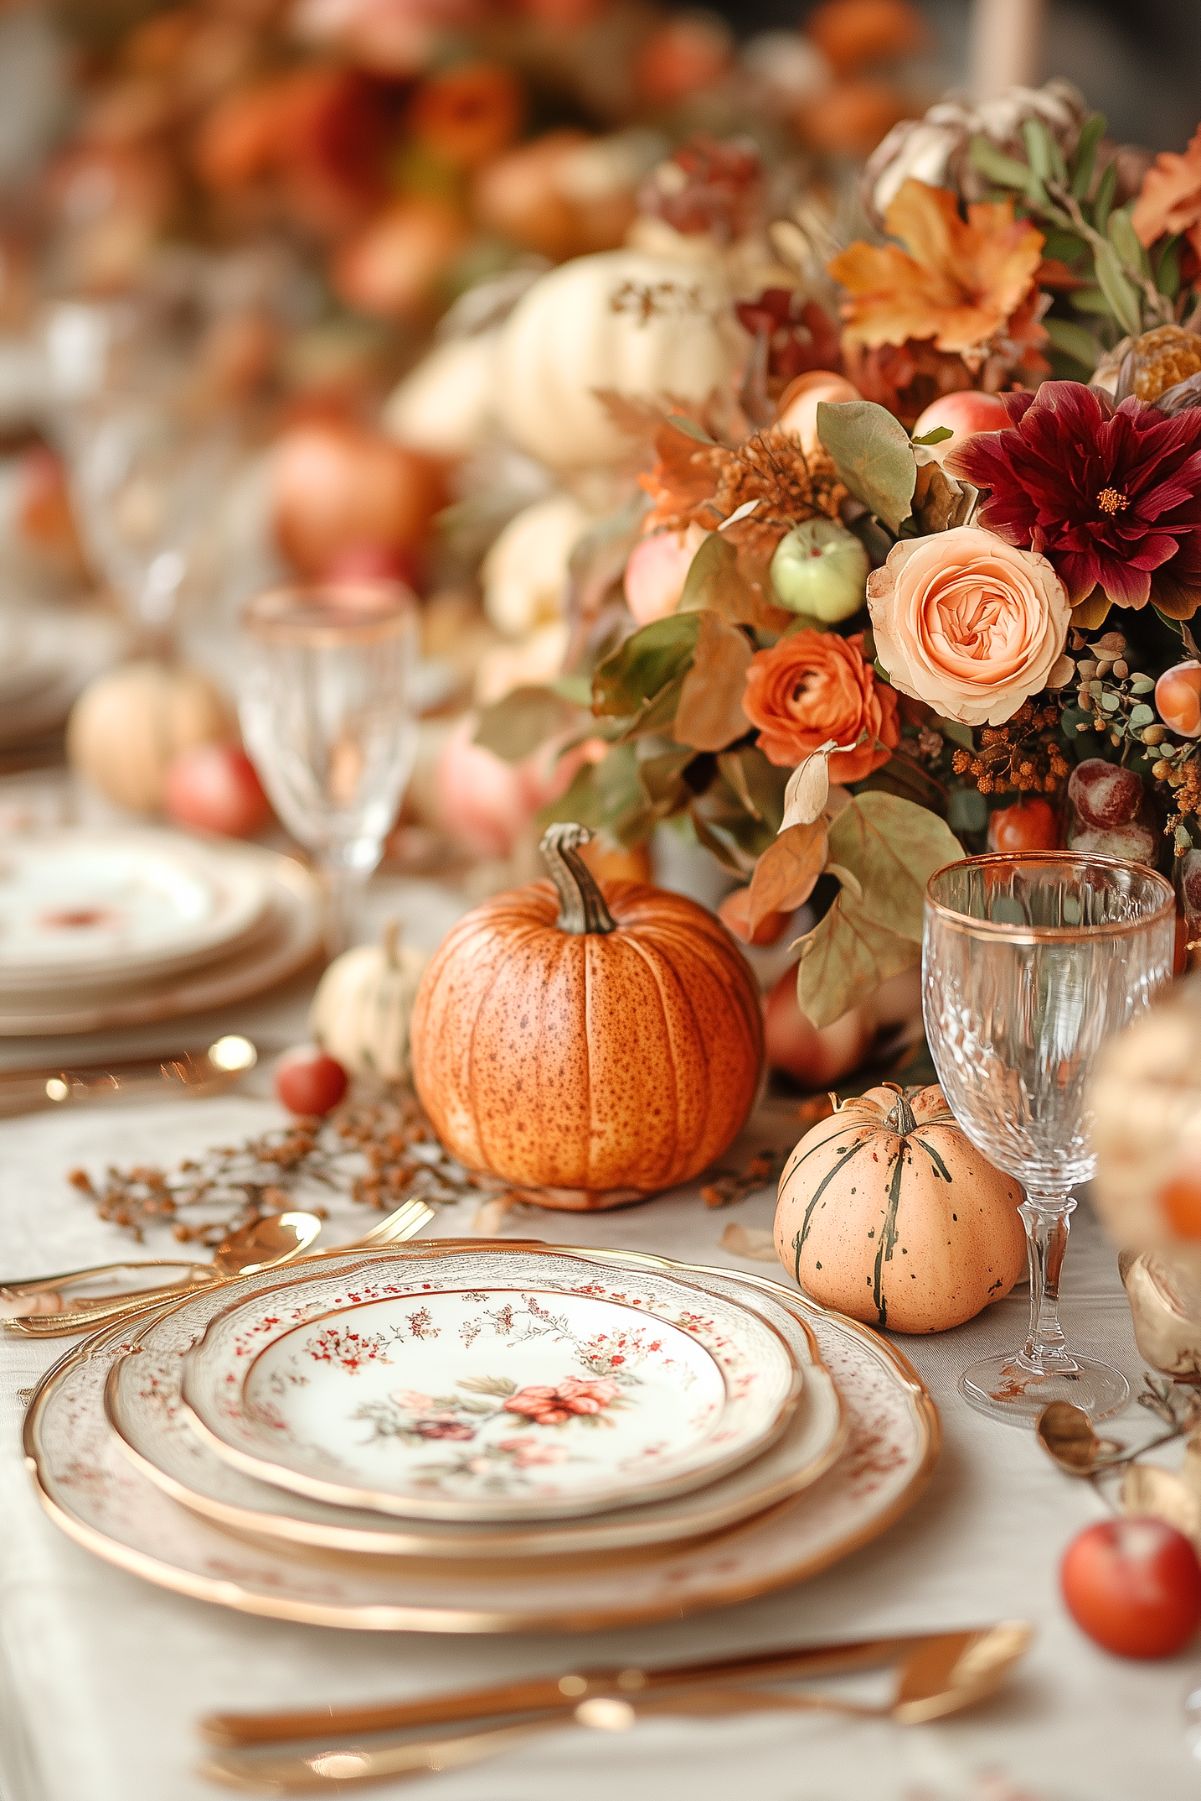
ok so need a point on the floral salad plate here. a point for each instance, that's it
(98, 1494)
(467, 1386)
(142, 1401)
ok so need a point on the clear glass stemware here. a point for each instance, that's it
(327, 712)
(1030, 961)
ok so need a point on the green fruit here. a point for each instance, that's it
(820, 568)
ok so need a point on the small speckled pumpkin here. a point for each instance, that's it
(592, 1045)
(888, 1213)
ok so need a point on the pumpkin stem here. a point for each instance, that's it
(390, 942)
(581, 904)
(902, 1119)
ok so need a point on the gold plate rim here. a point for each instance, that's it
(505, 1537)
(484, 1621)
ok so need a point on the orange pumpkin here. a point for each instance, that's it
(597, 1045)
(886, 1212)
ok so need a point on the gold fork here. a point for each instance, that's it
(403, 1223)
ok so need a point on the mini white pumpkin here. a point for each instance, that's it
(129, 725)
(635, 324)
(525, 573)
(443, 406)
(361, 1010)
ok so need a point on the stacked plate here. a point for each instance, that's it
(100, 929)
(47, 655)
(476, 1437)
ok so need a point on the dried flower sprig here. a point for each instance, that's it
(1023, 756)
(371, 1152)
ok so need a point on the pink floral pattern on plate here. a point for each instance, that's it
(649, 1388)
(97, 1494)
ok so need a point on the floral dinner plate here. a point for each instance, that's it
(142, 1401)
(101, 1498)
(471, 1387)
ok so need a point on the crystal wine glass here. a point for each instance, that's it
(1030, 961)
(326, 704)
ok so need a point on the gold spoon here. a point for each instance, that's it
(1066, 1434)
(262, 1244)
(934, 1680)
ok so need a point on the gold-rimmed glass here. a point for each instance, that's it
(327, 711)
(1029, 963)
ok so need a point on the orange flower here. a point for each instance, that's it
(957, 282)
(812, 687)
(1170, 200)
(467, 114)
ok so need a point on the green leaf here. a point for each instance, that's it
(846, 956)
(1092, 301)
(1125, 240)
(1141, 714)
(713, 567)
(967, 811)
(606, 796)
(1117, 288)
(872, 455)
(1085, 159)
(1004, 171)
(523, 721)
(936, 436)
(1167, 269)
(1107, 187)
(893, 846)
(1075, 341)
(643, 665)
(689, 427)
(709, 715)
(1046, 158)
(758, 784)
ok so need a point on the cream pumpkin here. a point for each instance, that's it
(623, 322)
(128, 726)
(526, 571)
(886, 1212)
(361, 1011)
(594, 1046)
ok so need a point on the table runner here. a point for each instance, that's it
(103, 1675)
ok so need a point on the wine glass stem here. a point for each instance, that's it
(1047, 1218)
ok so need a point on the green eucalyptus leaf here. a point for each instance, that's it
(1004, 171)
(643, 664)
(1107, 187)
(936, 436)
(1074, 341)
(523, 721)
(1167, 269)
(1084, 161)
(893, 846)
(846, 956)
(1125, 240)
(1117, 288)
(873, 456)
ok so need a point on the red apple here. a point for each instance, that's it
(814, 1056)
(215, 788)
(801, 399)
(964, 415)
(395, 267)
(336, 487)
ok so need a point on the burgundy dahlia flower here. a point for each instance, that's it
(1109, 493)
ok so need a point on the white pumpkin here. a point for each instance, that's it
(129, 725)
(525, 573)
(361, 1010)
(443, 406)
(639, 325)
(533, 663)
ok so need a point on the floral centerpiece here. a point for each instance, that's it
(921, 574)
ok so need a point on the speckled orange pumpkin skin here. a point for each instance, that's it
(598, 1068)
(914, 1231)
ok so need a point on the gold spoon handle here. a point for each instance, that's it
(73, 1320)
(30, 1286)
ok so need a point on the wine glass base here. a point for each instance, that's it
(1008, 1388)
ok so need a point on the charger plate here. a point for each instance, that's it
(142, 1401)
(94, 1492)
(483, 1385)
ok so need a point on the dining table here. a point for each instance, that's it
(104, 1677)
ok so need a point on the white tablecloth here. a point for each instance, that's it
(102, 1676)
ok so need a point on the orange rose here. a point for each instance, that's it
(968, 624)
(812, 687)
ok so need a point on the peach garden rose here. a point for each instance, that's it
(967, 623)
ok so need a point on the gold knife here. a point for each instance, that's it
(560, 1694)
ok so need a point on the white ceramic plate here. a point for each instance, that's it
(286, 939)
(96, 1494)
(142, 1400)
(473, 1386)
(93, 906)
